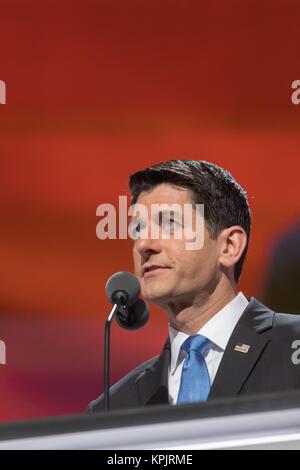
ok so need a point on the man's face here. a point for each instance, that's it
(177, 276)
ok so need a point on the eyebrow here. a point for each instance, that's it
(169, 212)
(160, 213)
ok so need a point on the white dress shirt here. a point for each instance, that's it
(218, 330)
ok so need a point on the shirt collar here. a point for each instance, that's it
(218, 329)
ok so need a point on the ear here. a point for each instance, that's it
(233, 241)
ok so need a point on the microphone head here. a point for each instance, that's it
(123, 286)
(133, 317)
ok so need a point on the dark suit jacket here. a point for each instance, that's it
(270, 364)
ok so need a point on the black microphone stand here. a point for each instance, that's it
(131, 317)
(121, 303)
(106, 356)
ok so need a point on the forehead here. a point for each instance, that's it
(165, 193)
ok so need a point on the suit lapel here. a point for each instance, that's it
(236, 366)
(152, 384)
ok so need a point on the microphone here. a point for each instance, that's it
(122, 290)
(133, 317)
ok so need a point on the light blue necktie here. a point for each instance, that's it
(195, 381)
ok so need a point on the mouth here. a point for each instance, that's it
(153, 270)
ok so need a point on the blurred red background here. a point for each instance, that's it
(95, 91)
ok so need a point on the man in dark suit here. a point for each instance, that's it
(220, 344)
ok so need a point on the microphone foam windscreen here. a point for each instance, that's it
(124, 282)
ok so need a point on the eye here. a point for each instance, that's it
(137, 227)
(170, 222)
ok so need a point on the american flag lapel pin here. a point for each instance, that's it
(243, 348)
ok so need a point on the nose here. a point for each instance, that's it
(148, 247)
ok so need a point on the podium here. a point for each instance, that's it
(258, 422)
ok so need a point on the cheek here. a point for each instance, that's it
(136, 259)
(198, 263)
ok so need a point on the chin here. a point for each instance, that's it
(156, 298)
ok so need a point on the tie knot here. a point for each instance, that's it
(196, 343)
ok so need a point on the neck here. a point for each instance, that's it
(190, 319)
